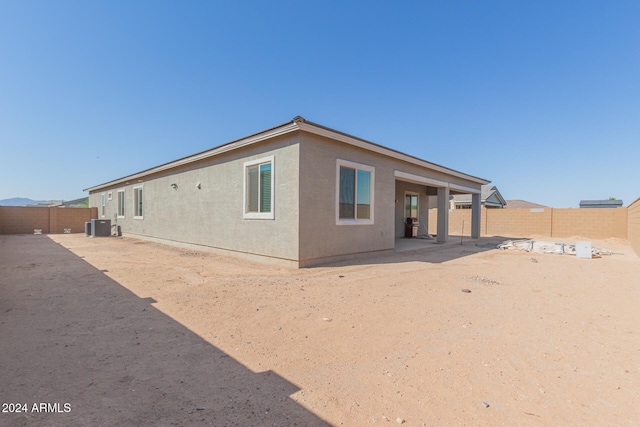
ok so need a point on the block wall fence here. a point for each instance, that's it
(623, 223)
(633, 225)
(51, 220)
(594, 223)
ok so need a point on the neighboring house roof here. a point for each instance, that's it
(600, 203)
(522, 204)
(297, 124)
(490, 196)
(50, 203)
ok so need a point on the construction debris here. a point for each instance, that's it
(530, 245)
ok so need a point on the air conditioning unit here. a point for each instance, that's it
(100, 227)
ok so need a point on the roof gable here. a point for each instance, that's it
(522, 204)
(489, 196)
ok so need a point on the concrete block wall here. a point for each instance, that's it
(520, 223)
(633, 225)
(517, 222)
(455, 222)
(496, 222)
(590, 222)
(24, 219)
(71, 218)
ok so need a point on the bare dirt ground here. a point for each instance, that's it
(128, 332)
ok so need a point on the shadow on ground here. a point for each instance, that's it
(71, 335)
(422, 250)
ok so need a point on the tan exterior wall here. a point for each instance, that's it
(211, 215)
(305, 230)
(633, 225)
(322, 239)
(51, 220)
(521, 223)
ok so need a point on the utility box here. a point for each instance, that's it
(87, 228)
(100, 227)
(583, 249)
(411, 228)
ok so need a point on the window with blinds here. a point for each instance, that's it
(259, 189)
(121, 204)
(137, 203)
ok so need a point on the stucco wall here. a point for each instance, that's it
(321, 237)
(212, 215)
(304, 230)
(633, 225)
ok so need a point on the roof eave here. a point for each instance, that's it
(233, 145)
(372, 146)
(298, 123)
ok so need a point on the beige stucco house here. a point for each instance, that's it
(298, 194)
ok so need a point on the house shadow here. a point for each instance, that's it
(427, 250)
(94, 353)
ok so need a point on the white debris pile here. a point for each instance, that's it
(581, 249)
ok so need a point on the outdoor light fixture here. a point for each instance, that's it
(175, 186)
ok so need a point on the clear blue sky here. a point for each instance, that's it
(540, 97)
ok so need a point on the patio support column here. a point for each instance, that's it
(475, 216)
(443, 215)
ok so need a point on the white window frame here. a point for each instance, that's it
(245, 193)
(121, 207)
(103, 205)
(356, 166)
(138, 191)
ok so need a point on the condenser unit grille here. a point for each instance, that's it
(100, 227)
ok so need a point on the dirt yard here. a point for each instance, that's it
(118, 331)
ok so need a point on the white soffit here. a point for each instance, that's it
(405, 176)
(410, 177)
(465, 189)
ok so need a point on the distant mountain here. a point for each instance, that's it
(17, 201)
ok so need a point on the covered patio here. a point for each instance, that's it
(415, 194)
